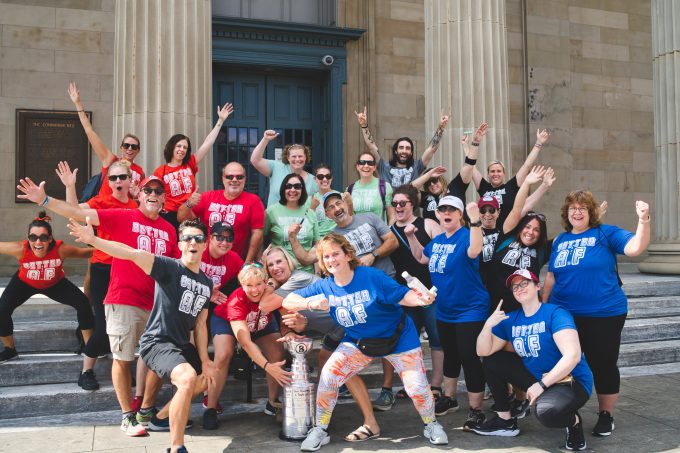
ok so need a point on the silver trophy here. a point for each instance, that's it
(298, 397)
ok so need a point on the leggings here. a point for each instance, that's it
(65, 292)
(100, 275)
(459, 342)
(600, 340)
(347, 361)
(425, 317)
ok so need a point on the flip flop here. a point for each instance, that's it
(361, 434)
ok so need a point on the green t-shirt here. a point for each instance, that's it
(326, 225)
(278, 218)
(278, 171)
(366, 198)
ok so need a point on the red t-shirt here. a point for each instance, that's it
(41, 273)
(107, 202)
(129, 284)
(179, 182)
(245, 213)
(221, 270)
(240, 308)
(137, 176)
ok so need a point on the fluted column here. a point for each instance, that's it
(163, 76)
(466, 72)
(664, 252)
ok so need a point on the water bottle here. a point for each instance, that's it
(416, 285)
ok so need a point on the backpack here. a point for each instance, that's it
(382, 188)
(94, 185)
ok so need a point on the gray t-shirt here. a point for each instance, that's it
(399, 176)
(364, 233)
(318, 321)
(179, 296)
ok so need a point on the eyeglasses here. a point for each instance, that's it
(296, 186)
(220, 238)
(579, 210)
(541, 217)
(199, 238)
(236, 177)
(122, 177)
(487, 210)
(521, 285)
(362, 162)
(431, 181)
(42, 237)
(158, 190)
(321, 176)
(401, 204)
(254, 264)
(129, 146)
(446, 208)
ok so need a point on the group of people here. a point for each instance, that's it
(172, 268)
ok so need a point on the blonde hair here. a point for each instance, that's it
(122, 163)
(252, 270)
(343, 243)
(305, 148)
(275, 248)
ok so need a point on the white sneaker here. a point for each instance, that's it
(316, 438)
(130, 427)
(434, 432)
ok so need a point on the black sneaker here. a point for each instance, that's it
(604, 425)
(576, 441)
(210, 419)
(444, 405)
(8, 354)
(497, 427)
(272, 409)
(475, 418)
(163, 424)
(520, 409)
(87, 381)
(343, 392)
(181, 449)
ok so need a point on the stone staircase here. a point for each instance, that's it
(42, 381)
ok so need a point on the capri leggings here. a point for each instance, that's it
(100, 275)
(65, 292)
(600, 340)
(459, 342)
(347, 361)
(555, 408)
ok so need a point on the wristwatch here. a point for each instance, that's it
(478, 223)
(375, 254)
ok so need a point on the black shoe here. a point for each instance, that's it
(520, 409)
(181, 449)
(272, 409)
(576, 441)
(445, 405)
(475, 418)
(497, 427)
(210, 419)
(8, 354)
(87, 381)
(604, 425)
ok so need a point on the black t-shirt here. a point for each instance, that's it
(403, 258)
(489, 236)
(457, 188)
(428, 203)
(505, 194)
(179, 296)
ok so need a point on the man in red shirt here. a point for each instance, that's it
(130, 296)
(243, 210)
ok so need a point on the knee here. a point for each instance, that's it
(554, 409)
(184, 377)
(223, 358)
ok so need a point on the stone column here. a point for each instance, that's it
(466, 73)
(664, 252)
(163, 77)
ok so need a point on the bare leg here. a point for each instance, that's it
(151, 387)
(273, 352)
(88, 363)
(140, 377)
(224, 345)
(8, 341)
(122, 382)
(183, 376)
(450, 386)
(476, 400)
(437, 367)
(607, 402)
(388, 374)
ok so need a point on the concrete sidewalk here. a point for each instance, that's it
(647, 420)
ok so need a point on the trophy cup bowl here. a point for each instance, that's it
(298, 397)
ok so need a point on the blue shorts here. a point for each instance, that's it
(220, 326)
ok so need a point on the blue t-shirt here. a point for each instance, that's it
(532, 339)
(367, 307)
(584, 266)
(461, 295)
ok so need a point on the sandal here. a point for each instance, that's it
(361, 434)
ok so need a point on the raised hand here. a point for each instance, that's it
(314, 203)
(293, 230)
(549, 177)
(542, 136)
(134, 189)
(480, 132)
(472, 211)
(496, 317)
(224, 112)
(535, 174)
(74, 93)
(81, 233)
(67, 177)
(362, 118)
(642, 210)
(443, 120)
(270, 135)
(410, 229)
(436, 172)
(195, 197)
(30, 191)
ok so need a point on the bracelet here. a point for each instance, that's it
(644, 222)
(188, 205)
(542, 384)
(80, 110)
(473, 143)
(264, 368)
(470, 161)
(538, 145)
(364, 127)
(45, 201)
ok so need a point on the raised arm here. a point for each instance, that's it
(435, 141)
(420, 181)
(37, 195)
(541, 138)
(515, 214)
(534, 198)
(101, 150)
(14, 248)
(640, 241)
(222, 114)
(362, 118)
(69, 251)
(476, 236)
(68, 179)
(468, 171)
(257, 158)
(294, 302)
(415, 245)
(185, 212)
(304, 257)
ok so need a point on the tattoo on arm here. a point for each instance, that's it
(368, 135)
(434, 143)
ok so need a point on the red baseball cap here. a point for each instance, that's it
(524, 273)
(148, 179)
(488, 200)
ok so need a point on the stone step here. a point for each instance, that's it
(42, 308)
(54, 368)
(651, 285)
(653, 307)
(45, 336)
(651, 329)
(649, 353)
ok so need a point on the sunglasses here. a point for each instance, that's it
(523, 284)
(220, 238)
(129, 146)
(432, 181)
(401, 204)
(122, 177)
(43, 237)
(158, 190)
(446, 208)
(236, 177)
(296, 186)
(487, 210)
(254, 264)
(199, 238)
(321, 176)
(363, 162)
(540, 217)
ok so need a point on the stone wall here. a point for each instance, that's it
(45, 44)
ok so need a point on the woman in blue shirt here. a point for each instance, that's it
(367, 303)
(462, 300)
(547, 362)
(583, 279)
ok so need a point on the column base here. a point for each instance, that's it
(663, 259)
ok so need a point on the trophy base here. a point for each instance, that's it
(282, 436)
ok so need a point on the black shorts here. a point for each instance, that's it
(162, 358)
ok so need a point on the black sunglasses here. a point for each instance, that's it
(401, 204)
(540, 217)
(158, 190)
(487, 210)
(321, 176)
(220, 238)
(296, 186)
(199, 238)
(236, 177)
(446, 208)
(129, 146)
(432, 181)
(366, 162)
(43, 237)
(122, 177)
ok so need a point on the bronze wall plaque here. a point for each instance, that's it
(45, 137)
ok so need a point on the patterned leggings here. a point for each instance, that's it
(347, 361)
